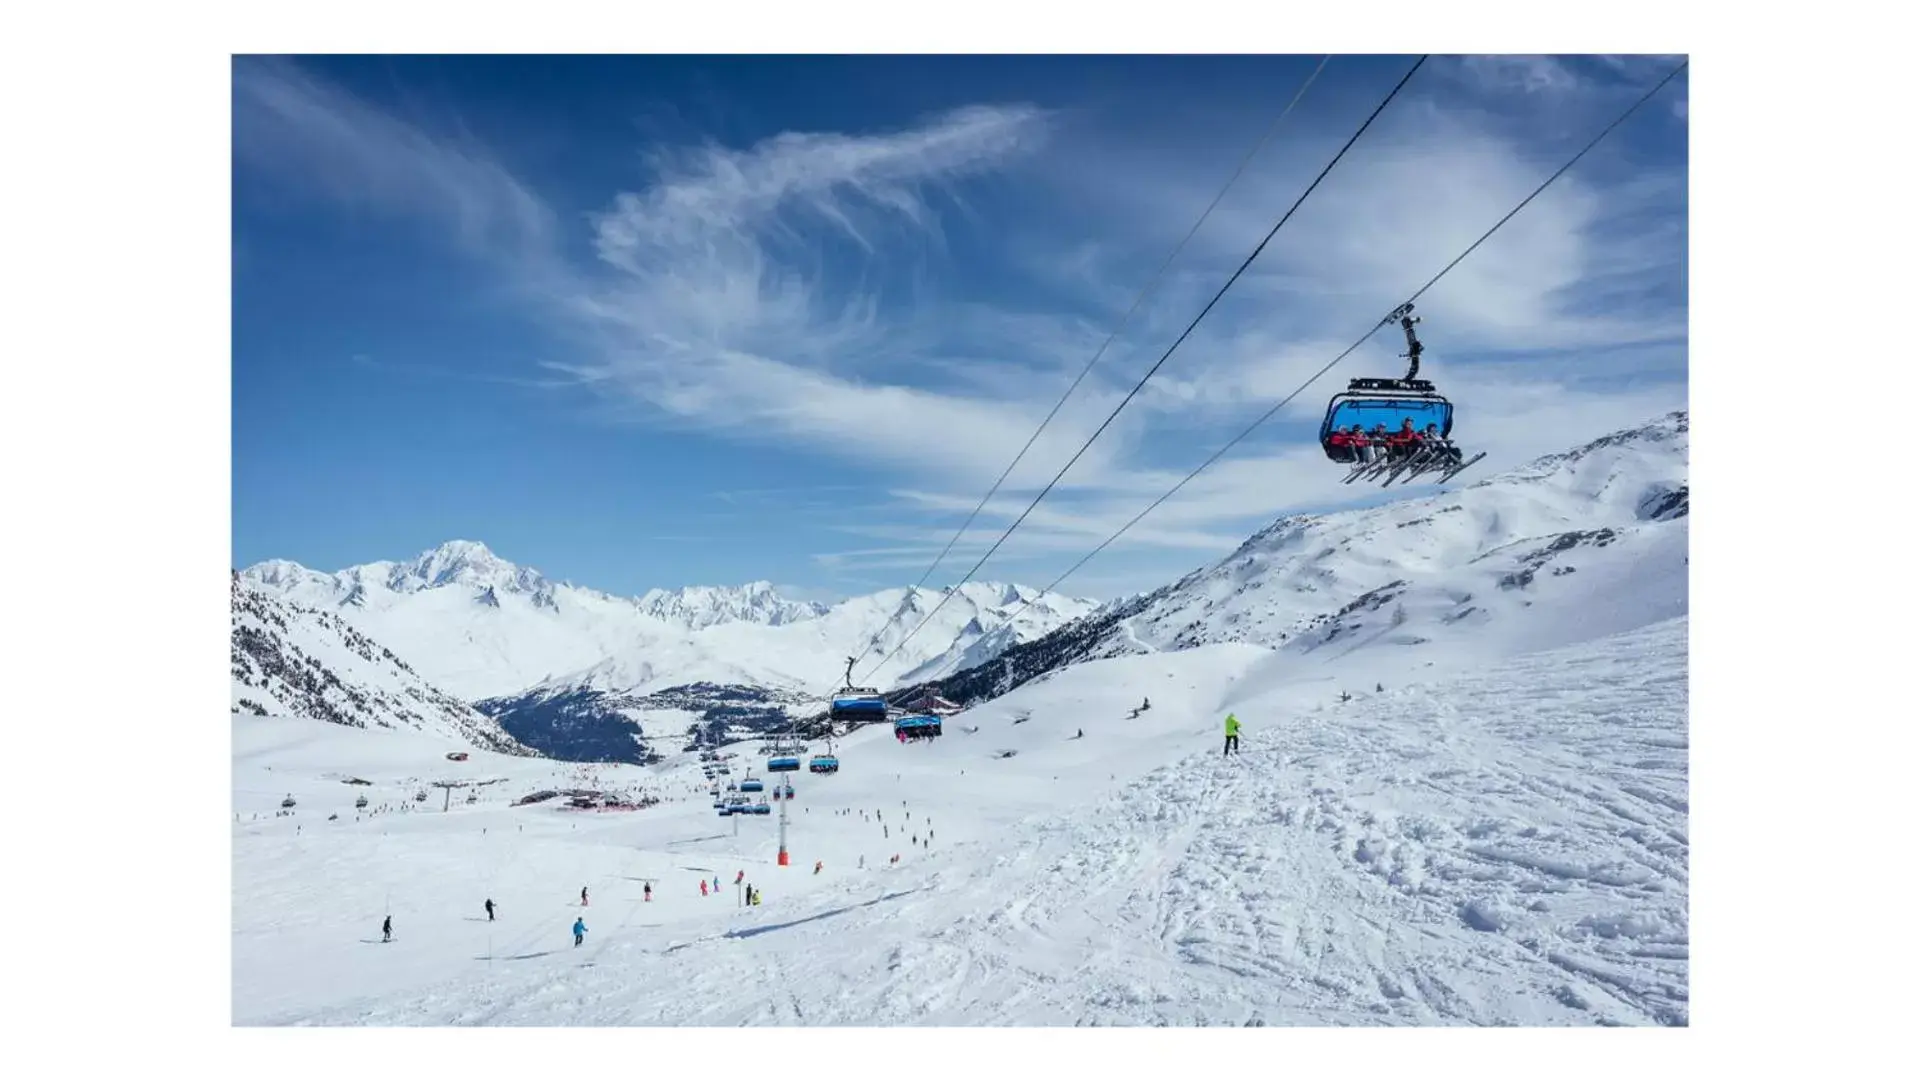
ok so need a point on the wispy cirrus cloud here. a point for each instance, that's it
(797, 288)
(1528, 74)
(315, 136)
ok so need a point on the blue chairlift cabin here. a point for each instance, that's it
(1382, 407)
(751, 783)
(856, 704)
(785, 756)
(924, 726)
(823, 764)
(1375, 404)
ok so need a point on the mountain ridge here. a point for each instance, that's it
(288, 660)
(1486, 552)
(483, 627)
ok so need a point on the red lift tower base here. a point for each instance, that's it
(785, 860)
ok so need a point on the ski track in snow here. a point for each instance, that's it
(1507, 847)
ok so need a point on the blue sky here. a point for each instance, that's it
(656, 321)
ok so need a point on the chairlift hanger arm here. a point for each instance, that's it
(1403, 314)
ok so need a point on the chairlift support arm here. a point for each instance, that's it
(1403, 314)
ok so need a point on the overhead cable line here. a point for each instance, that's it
(1355, 345)
(1151, 285)
(1162, 360)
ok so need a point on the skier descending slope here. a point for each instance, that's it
(579, 931)
(386, 929)
(1232, 734)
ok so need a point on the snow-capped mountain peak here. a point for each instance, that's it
(482, 627)
(697, 607)
(284, 574)
(462, 562)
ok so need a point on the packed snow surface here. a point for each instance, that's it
(1503, 842)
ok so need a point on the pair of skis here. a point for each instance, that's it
(1429, 461)
(1411, 467)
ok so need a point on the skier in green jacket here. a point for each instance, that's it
(1232, 734)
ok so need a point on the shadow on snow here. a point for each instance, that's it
(757, 930)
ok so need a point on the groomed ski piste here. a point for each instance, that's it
(1484, 841)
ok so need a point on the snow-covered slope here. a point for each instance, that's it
(482, 627)
(1571, 545)
(1509, 846)
(1303, 567)
(293, 661)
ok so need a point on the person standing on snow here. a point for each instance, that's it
(386, 929)
(489, 909)
(1232, 734)
(649, 892)
(582, 896)
(579, 931)
(702, 886)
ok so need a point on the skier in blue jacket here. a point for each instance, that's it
(579, 931)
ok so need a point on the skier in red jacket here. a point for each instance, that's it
(1404, 441)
